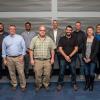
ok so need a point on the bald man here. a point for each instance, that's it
(42, 57)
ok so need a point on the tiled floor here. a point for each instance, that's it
(6, 93)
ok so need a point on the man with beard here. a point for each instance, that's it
(3, 34)
(28, 34)
(68, 48)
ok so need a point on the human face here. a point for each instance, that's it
(68, 31)
(78, 26)
(1, 28)
(12, 30)
(90, 32)
(54, 24)
(98, 29)
(42, 31)
(27, 27)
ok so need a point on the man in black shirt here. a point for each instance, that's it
(80, 36)
(3, 34)
(68, 48)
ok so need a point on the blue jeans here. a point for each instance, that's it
(63, 64)
(90, 69)
(81, 63)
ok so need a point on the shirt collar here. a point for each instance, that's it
(13, 35)
(40, 37)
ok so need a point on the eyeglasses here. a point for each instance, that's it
(42, 30)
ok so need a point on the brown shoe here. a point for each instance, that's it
(47, 88)
(37, 89)
(75, 87)
(59, 87)
(23, 89)
(13, 88)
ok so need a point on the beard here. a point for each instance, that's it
(67, 34)
(1, 30)
(28, 29)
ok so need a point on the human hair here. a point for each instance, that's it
(69, 26)
(28, 23)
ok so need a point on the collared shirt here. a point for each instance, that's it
(80, 36)
(42, 48)
(55, 34)
(13, 46)
(68, 44)
(28, 37)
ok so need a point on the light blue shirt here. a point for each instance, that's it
(13, 46)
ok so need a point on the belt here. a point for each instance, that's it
(42, 59)
(27, 52)
(14, 56)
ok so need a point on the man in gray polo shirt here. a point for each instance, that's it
(28, 34)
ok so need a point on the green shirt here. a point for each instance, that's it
(42, 48)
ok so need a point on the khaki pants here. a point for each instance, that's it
(13, 65)
(42, 71)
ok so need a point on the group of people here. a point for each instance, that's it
(39, 50)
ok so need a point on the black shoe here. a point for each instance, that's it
(91, 83)
(87, 82)
(86, 87)
(59, 87)
(8, 77)
(91, 88)
(75, 87)
(0, 77)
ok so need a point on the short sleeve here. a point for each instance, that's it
(75, 42)
(60, 43)
(32, 44)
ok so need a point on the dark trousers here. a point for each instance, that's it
(89, 75)
(57, 59)
(81, 63)
(89, 69)
(98, 67)
(63, 64)
(1, 63)
(27, 63)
